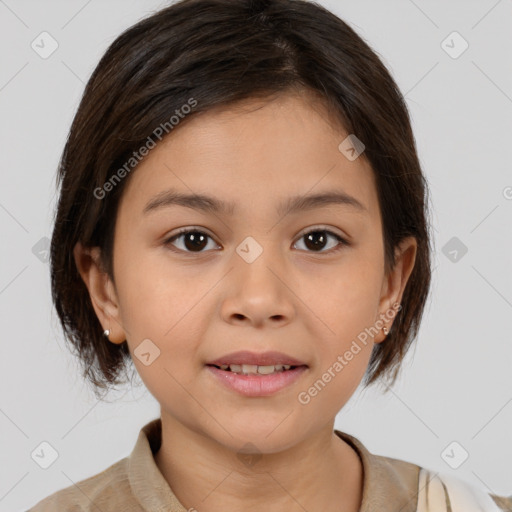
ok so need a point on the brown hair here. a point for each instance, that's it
(219, 52)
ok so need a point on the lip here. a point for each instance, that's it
(257, 385)
(260, 359)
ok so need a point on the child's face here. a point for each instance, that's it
(305, 300)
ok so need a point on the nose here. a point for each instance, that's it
(258, 292)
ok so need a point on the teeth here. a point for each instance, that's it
(265, 370)
(255, 369)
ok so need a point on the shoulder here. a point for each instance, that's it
(105, 491)
(437, 491)
(391, 484)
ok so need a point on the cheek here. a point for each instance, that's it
(335, 381)
(166, 330)
(347, 305)
(153, 297)
(156, 305)
(345, 296)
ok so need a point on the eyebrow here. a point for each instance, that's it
(209, 204)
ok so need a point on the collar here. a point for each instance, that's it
(389, 484)
(157, 497)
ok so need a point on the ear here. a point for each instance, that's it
(394, 283)
(101, 290)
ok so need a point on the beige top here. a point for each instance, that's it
(135, 484)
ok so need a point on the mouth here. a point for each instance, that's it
(254, 380)
(256, 362)
(257, 374)
(253, 369)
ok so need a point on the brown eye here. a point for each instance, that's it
(317, 239)
(196, 241)
(192, 240)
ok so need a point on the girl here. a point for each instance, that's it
(243, 216)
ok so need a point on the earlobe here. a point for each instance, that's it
(395, 282)
(101, 290)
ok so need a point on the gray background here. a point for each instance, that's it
(457, 382)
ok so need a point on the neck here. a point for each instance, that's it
(321, 472)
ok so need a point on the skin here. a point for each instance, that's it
(197, 306)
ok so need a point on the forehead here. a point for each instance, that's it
(256, 152)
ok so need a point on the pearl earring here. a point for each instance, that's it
(106, 333)
(386, 331)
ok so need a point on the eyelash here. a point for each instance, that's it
(184, 231)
